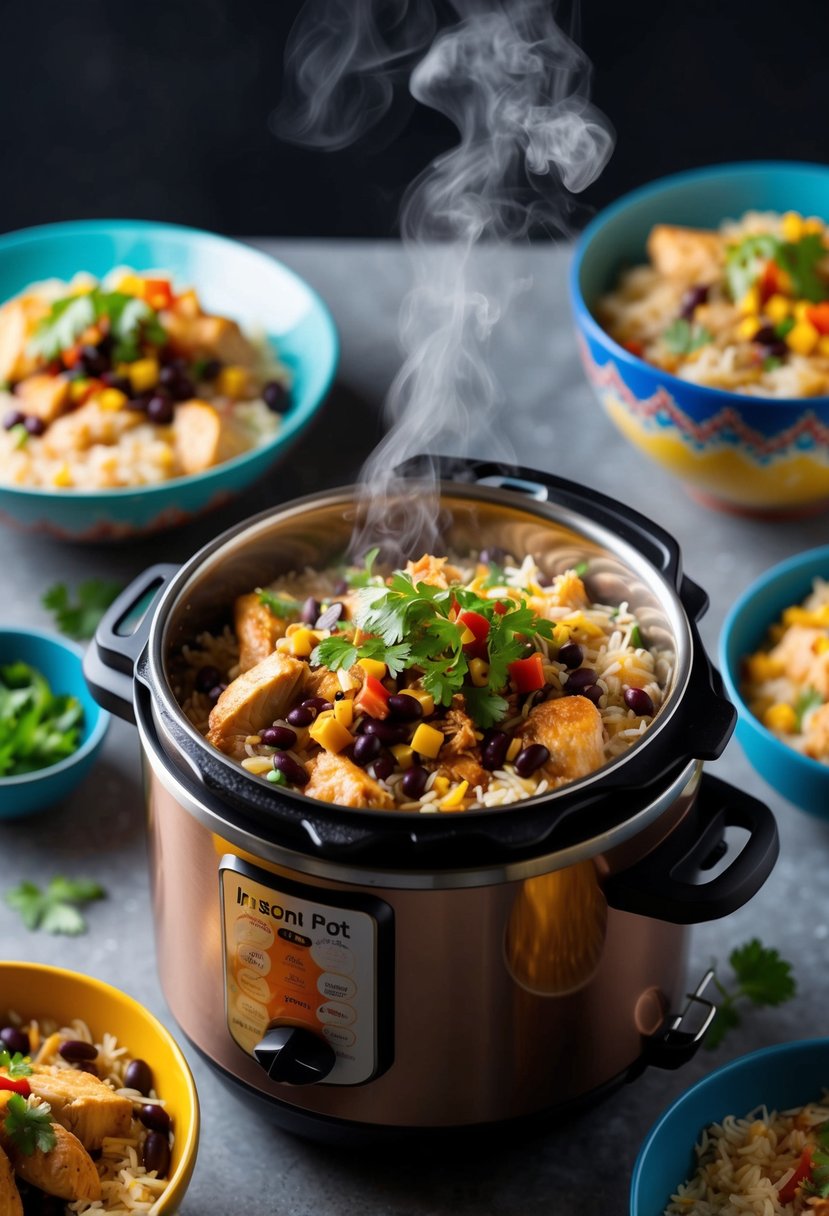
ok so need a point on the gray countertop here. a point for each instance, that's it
(554, 423)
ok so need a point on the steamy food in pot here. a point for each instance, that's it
(786, 682)
(743, 308)
(81, 1126)
(766, 1164)
(437, 688)
(127, 382)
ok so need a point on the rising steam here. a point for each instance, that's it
(516, 87)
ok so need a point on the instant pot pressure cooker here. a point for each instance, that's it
(366, 973)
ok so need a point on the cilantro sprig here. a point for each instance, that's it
(683, 338)
(80, 616)
(366, 577)
(55, 909)
(38, 728)
(29, 1127)
(746, 261)
(280, 606)
(16, 1065)
(818, 1181)
(131, 322)
(761, 977)
(807, 700)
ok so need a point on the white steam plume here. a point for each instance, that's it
(516, 86)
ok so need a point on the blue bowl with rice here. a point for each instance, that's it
(780, 1078)
(232, 280)
(61, 663)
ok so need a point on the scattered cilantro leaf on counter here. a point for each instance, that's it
(54, 910)
(29, 1127)
(16, 1065)
(80, 618)
(810, 698)
(683, 338)
(284, 608)
(761, 977)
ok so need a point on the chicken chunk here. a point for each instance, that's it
(458, 729)
(83, 1104)
(465, 767)
(206, 337)
(335, 778)
(202, 437)
(571, 729)
(817, 734)
(690, 254)
(800, 655)
(322, 682)
(18, 319)
(43, 396)
(10, 1201)
(67, 1170)
(254, 699)
(81, 429)
(435, 571)
(257, 629)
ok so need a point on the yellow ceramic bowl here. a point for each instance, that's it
(36, 991)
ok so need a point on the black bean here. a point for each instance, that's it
(216, 692)
(386, 732)
(301, 715)
(579, 679)
(366, 749)
(34, 425)
(154, 1117)
(492, 554)
(15, 1040)
(494, 751)
(75, 1050)
(318, 704)
(639, 701)
(329, 618)
(571, 655)
(764, 335)
(340, 587)
(292, 769)
(88, 1066)
(13, 418)
(139, 402)
(113, 380)
(183, 388)
(138, 1075)
(157, 1154)
(384, 766)
(207, 677)
(310, 610)
(531, 758)
(93, 360)
(593, 693)
(278, 736)
(210, 369)
(407, 708)
(414, 781)
(691, 300)
(275, 396)
(160, 410)
(775, 350)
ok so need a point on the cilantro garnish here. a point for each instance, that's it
(283, 608)
(683, 338)
(818, 1181)
(54, 910)
(809, 699)
(29, 1127)
(80, 619)
(37, 727)
(495, 576)
(364, 577)
(339, 651)
(784, 327)
(635, 637)
(580, 569)
(131, 322)
(762, 978)
(746, 261)
(16, 1065)
(771, 363)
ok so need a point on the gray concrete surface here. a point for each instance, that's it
(553, 422)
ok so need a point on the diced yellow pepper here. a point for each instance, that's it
(561, 635)
(513, 749)
(233, 381)
(143, 374)
(777, 308)
(802, 338)
(760, 667)
(750, 303)
(467, 637)
(454, 800)
(823, 346)
(577, 622)
(78, 390)
(259, 765)
(813, 226)
(426, 699)
(820, 645)
(330, 734)
(801, 310)
(440, 785)
(131, 285)
(373, 667)
(344, 711)
(792, 226)
(63, 477)
(403, 754)
(302, 643)
(781, 717)
(427, 741)
(747, 328)
(479, 672)
(112, 399)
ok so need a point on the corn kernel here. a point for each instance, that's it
(233, 381)
(747, 328)
(467, 637)
(79, 390)
(131, 285)
(781, 717)
(777, 308)
(792, 226)
(479, 672)
(454, 800)
(760, 667)
(426, 699)
(513, 749)
(427, 741)
(823, 346)
(283, 645)
(344, 711)
(330, 734)
(801, 310)
(63, 477)
(302, 643)
(813, 226)
(803, 338)
(820, 645)
(259, 765)
(561, 635)
(750, 303)
(403, 754)
(373, 667)
(143, 374)
(757, 1130)
(112, 399)
(440, 785)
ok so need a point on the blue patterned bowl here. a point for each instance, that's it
(752, 455)
(230, 278)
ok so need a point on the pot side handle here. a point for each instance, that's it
(109, 663)
(665, 884)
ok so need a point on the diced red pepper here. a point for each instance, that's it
(70, 357)
(527, 674)
(634, 348)
(770, 282)
(373, 699)
(818, 315)
(18, 1086)
(501, 609)
(477, 625)
(803, 1170)
(158, 293)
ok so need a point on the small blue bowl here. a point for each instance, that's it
(230, 278)
(61, 662)
(749, 455)
(804, 781)
(780, 1078)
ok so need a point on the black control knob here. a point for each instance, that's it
(295, 1056)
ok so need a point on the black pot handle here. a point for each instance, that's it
(662, 885)
(110, 661)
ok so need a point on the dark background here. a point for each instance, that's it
(161, 110)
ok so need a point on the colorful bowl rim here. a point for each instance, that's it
(751, 1059)
(296, 419)
(191, 1140)
(98, 731)
(744, 601)
(609, 213)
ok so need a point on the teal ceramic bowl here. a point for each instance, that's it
(230, 278)
(804, 781)
(61, 663)
(782, 1077)
(750, 455)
